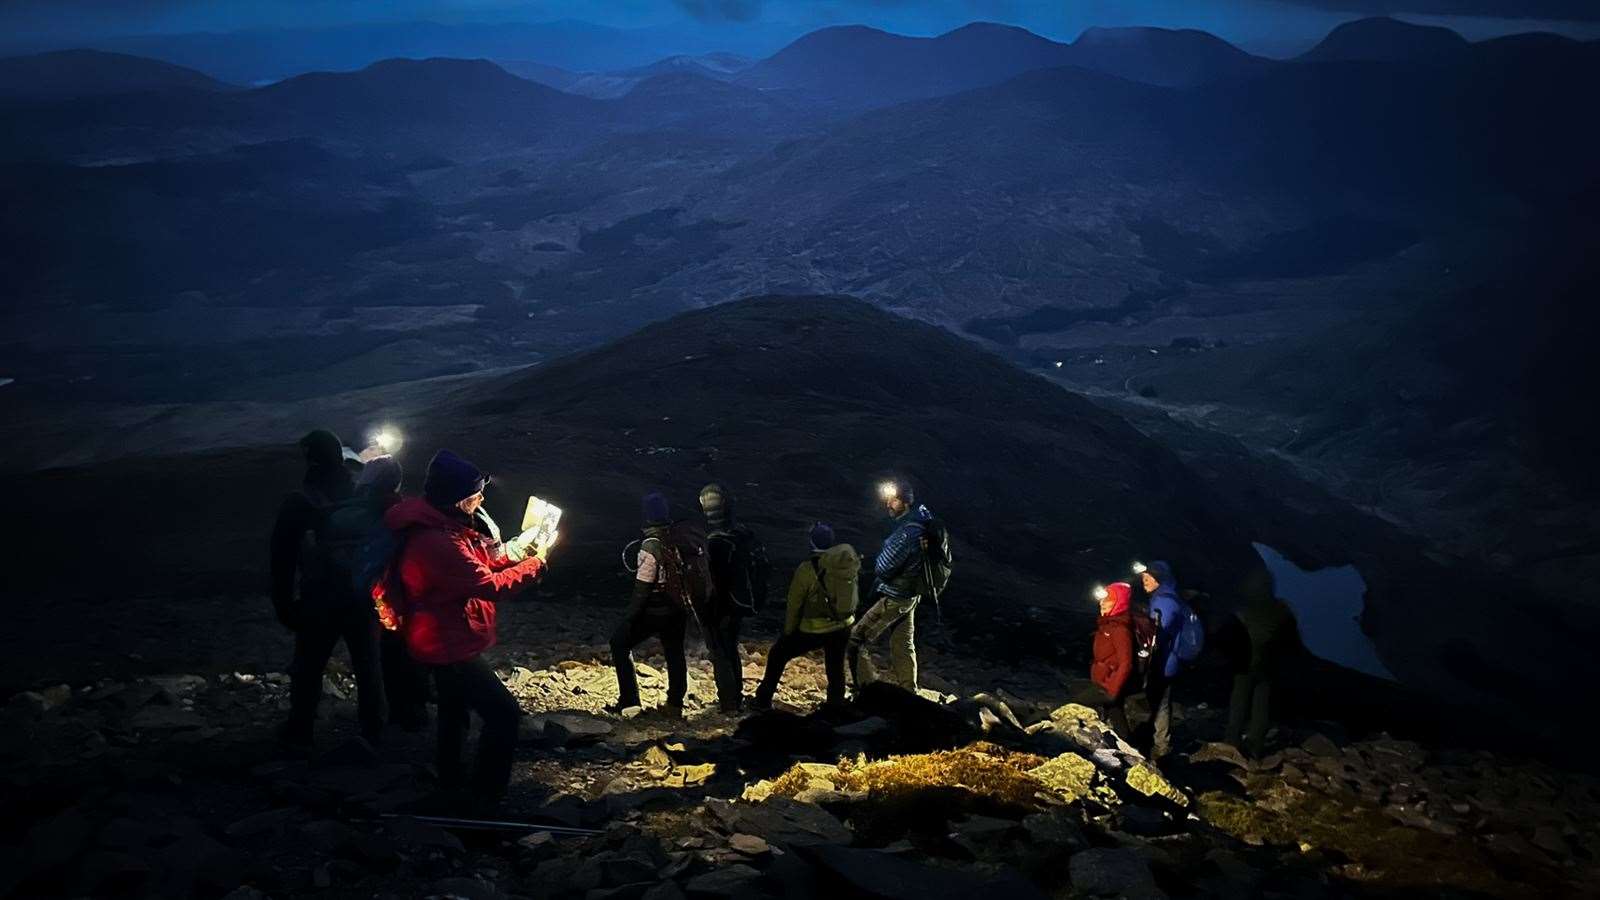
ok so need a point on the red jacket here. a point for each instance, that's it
(452, 577)
(1113, 654)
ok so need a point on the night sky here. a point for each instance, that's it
(756, 27)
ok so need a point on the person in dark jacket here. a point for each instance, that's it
(1256, 642)
(1113, 648)
(897, 588)
(309, 548)
(820, 612)
(651, 613)
(1166, 611)
(732, 594)
(451, 576)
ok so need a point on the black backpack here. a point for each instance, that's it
(683, 561)
(748, 569)
(937, 559)
(329, 551)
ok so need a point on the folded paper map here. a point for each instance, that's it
(539, 522)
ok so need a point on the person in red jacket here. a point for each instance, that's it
(1113, 664)
(450, 577)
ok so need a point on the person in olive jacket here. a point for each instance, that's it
(821, 611)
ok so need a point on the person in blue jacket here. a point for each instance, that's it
(1166, 610)
(899, 583)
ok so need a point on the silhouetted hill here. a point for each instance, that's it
(864, 66)
(68, 74)
(1170, 57)
(1382, 39)
(549, 76)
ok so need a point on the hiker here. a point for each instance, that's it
(652, 612)
(1257, 643)
(821, 609)
(1114, 663)
(450, 575)
(405, 683)
(1169, 613)
(309, 543)
(898, 585)
(737, 564)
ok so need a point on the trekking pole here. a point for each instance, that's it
(494, 825)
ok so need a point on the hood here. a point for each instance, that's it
(1120, 594)
(839, 558)
(414, 511)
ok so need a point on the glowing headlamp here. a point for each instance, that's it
(1100, 592)
(1140, 568)
(386, 439)
(888, 490)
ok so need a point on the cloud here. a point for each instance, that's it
(1556, 10)
(721, 10)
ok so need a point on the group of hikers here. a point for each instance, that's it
(410, 584)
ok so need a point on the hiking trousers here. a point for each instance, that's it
(897, 619)
(1158, 694)
(466, 687)
(665, 622)
(320, 630)
(799, 643)
(722, 644)
(405, 682)
(1252, 699)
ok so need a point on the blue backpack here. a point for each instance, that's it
(371, 563)
(1190, 641)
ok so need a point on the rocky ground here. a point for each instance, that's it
(993, 780)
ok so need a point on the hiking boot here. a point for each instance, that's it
(759, 703)
(619, 708)
(670, 710)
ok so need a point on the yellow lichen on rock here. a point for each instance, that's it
(1069, 775)
(1147, 781)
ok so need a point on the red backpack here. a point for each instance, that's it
(684, 565)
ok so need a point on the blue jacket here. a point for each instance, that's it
(898, 569)
(1166, 608)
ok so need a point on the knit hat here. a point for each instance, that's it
(1161, 571)
(322, 448)
(717, 505)
(452, 479)
(381, 475)
(821, 536)
(655, 509)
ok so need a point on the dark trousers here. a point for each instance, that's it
(1117, 717)
(405, 682)
(319, 631)
(799, 643)
(468, 687)
(666, 623)
(722, 642)
(1252, 699)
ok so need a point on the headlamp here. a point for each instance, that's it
(888, 490)
(386, 439)
(1100, 592)
(1140, 568)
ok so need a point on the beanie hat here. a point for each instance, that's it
(322, 448)
(452, 479)
(381, 475)
(717, 505)
(821, 536)
(655, 509)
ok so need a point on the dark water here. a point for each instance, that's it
(1327, 604)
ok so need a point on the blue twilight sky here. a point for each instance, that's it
(755, 26)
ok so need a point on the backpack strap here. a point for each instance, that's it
(822, 587)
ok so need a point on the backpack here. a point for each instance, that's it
(1144, 642)
(684, 566)
(936, 561)
(1190, 640)
(329, 550)
(748, 569)
(839, 603)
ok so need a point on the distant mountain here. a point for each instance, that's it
(69, 74)
(1168, 57)
(610, 85)
(1382, 39)
(864, 66)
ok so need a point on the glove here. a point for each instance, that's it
(518, 548)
